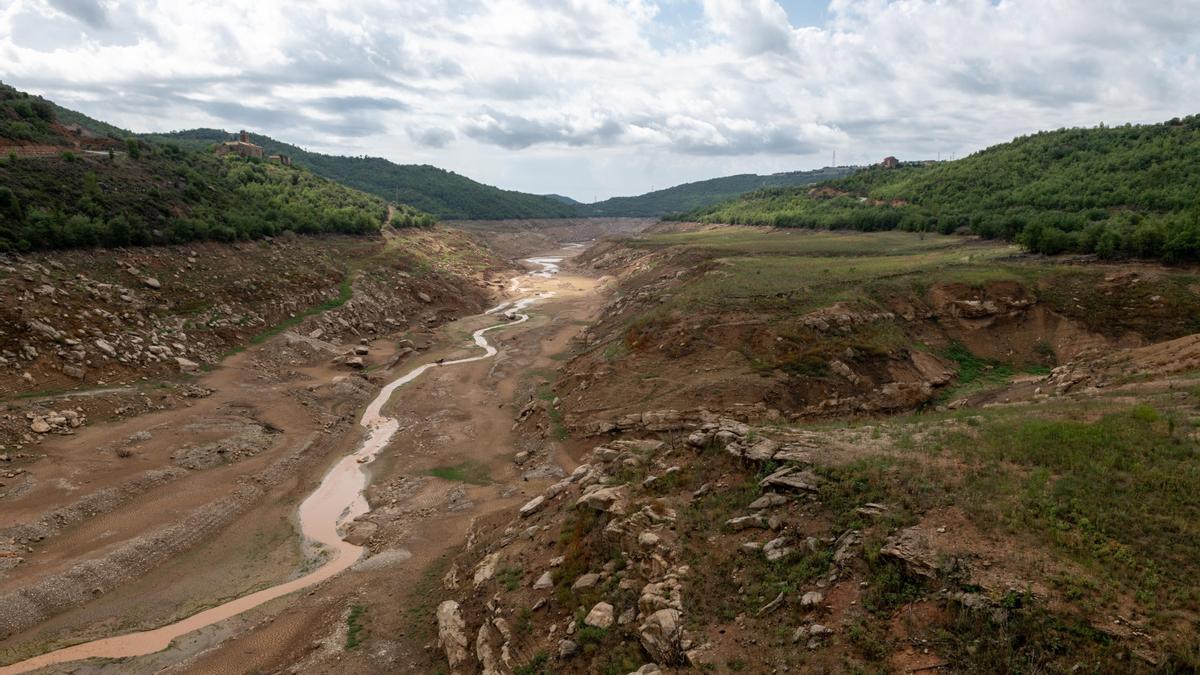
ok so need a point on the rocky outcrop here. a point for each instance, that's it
(452, 637)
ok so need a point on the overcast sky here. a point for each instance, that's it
(594, 98)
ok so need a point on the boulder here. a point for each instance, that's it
(607, 500)
(661, 636)
(812, 599)
(912, 548)
(40, 426)
(585, 581)
(532, 506)
(106, 347)
(601, 615)
(776, 549)
(452, 637)
(544, 582)
(746, 522)
(186, 365)
(151, 282)
(424, 297)
(567, 648)
(486, 569)
(767, 501)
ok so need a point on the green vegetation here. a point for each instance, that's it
(700, 194)
(24, 117)
(472, 473)
(355, 626)
(1113, 191)
(442, 193)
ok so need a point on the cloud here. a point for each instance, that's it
(432, 137)
(90, 12)
(594, 97)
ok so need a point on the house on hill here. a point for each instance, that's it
(890, 163)
(242, 147)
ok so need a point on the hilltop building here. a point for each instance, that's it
(285, 160)
(890, 163)
(242, 147)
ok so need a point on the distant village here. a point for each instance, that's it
(244, 148)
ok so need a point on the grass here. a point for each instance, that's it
(355, 626)
(472, 473)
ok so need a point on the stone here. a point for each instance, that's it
(355, 362)
(486, 569)
(845, 546)
(39, 426)
(567, 648)
(424, 297)
(661, 636)
(585, 581)
(544, 582)
(648, 669)
(746, 522)
(812, 599)
(106, 347)
(187, 365)
(601, 615)
(532, 506)
(607, 500)
(362, 350)
(648, 539)
(769, 500)
(151, 282)
(788, 477)
(452, 637)
(776, 549)
(913, 549)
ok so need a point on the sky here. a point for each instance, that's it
(596, 98)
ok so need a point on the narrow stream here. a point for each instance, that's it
(338, 500)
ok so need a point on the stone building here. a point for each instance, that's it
(242, 147)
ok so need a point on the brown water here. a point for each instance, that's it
(338, 500)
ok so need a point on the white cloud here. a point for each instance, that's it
(586, 97)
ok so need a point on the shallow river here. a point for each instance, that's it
(337, 501)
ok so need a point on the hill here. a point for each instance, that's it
(440, 192)
(63, 186)
(697, 195)
(1127, 191)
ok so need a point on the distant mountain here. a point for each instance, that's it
(440, 192)
(701, 194)
(1124, 191)
(564, 199)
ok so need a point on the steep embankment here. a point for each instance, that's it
(749, 499)
(1115, 191)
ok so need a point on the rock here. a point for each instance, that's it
(762, 450)
(607, 500)
(844, 547)
(544, 582)
(812, 599)
(362, 350)
(151, 282)
(486, 569)
(424, 297)
(776, 549)
(452, 637)
(788, 477)
(648, 539)
(532, 506)
(601, 615)
(661, 636)
(648, 669)
(767, 501)
(39, 426)
(187, 365)
(567, 648)
(585, 581)
(746, 522)
(355, 362)
(913, 549)
(106, 347)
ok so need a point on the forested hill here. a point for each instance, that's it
(700, 194)
(60, 187)
(1126, 191)
(440, 192)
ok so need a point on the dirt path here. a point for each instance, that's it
(454, 422)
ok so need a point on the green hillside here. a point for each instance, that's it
(691, 196)
(129, 191)
(1128, 191)
(440, 192)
